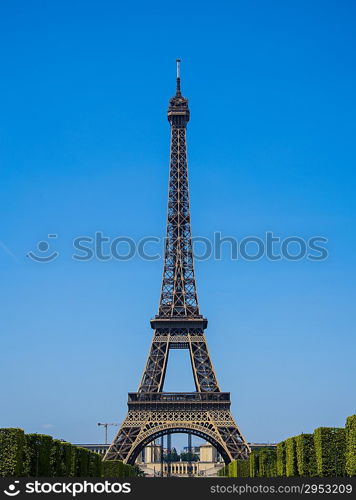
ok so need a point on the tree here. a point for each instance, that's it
(189, 457)
(172, 456)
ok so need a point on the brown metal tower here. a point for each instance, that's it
(178, 325)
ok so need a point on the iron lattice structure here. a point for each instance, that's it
(178, 325)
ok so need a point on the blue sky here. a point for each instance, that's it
(84, 148)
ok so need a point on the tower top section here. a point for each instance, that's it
(178, 111)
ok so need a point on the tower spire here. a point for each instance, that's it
(178, 92)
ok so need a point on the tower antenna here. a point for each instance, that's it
(178, 77)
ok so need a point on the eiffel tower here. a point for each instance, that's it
(153, 413)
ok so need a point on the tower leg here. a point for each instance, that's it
(162, 462)
(190, 455)
(169, 452)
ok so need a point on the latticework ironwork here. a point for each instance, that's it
(178, 325)
(178, 295)
(152, 415)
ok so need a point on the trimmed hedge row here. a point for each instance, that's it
(350, 431)
(306, 459)
(42, 454)
(243, 468)
(267, 462)
(261, 463)
(320, 454)
(291, 457)
(116, 468)
(328, 452)
(39, 455)
(13, 453)
(281, 459)
(254, 464)
(232, 469)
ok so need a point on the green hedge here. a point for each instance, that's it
(116, 468)
(237, 468)
(81, 462)
(243, 468)
(95, 465)
(14, 458)
(291, 457)
(330, 448)
(350, 428)
(223, 471)
(281, 458)
(62, 455)
(42, 455)
(85, 463)
(232, 469)
(263, 463)
(306, 459)
(254, 464)
(267, 462)
(39, 455)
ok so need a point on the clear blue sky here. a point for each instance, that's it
(84, 147)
